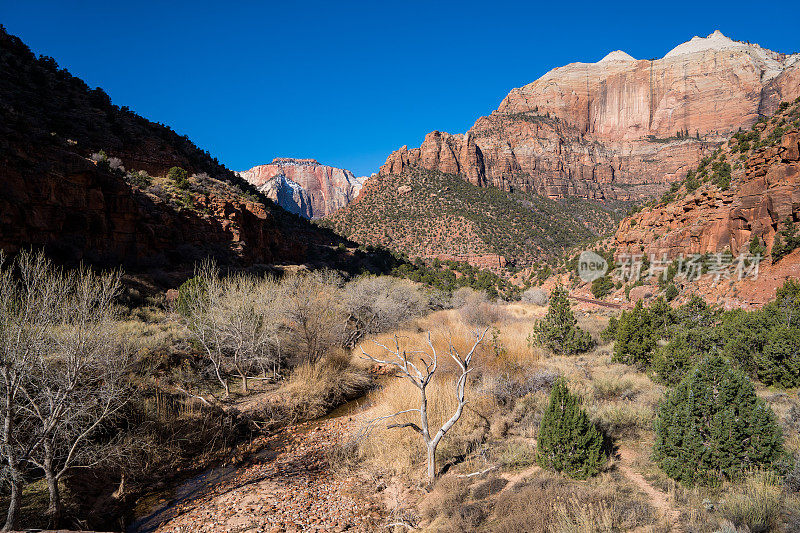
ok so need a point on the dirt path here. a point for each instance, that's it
(659, 499)
(287, 488)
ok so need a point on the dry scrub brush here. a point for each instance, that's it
(314, 387)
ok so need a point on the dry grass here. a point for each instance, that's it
(499, 428)
(551, 503)
(314, 388)
(756, 502)
(152, 335)
(623, 419)
(405, 456)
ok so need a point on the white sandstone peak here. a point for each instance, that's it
(617, 55)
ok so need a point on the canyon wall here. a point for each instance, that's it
(618, 129)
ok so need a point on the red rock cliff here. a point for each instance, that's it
(615, 129)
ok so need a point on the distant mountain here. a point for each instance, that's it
(304, 186)
(89, 181)
(618, 129)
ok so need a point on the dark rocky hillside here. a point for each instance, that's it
(88, 180)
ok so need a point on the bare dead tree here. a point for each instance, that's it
(419, 367)
(26, 304)
(76, 386)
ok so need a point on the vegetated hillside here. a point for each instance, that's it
(742, 199)
(88, 180)
(432, 214)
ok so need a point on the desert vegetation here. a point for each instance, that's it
(575, 432)
(472, 413)
(444, 214)
(100, 382)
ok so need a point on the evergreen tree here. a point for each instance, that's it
(558, 330)
(671, 293)
(602, 287)
(568, 441)
(779, 363)
(712, 426)
(635, 338)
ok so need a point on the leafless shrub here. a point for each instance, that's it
(377, 304)
(115, 163)
(236, 320)
(475, 308)
(315, 313)
(506, 388)
(535, 296)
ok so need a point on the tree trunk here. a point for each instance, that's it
(55, 509)
(244, 383)
(431, 463)
(14, 502)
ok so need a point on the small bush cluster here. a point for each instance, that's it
(668, 342)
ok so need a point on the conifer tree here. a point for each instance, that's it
(558, 330)
(635, 337)
(712, 426)
(568, 441)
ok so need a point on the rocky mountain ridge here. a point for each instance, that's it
(89, 181)
(304, 186)
(618, 129)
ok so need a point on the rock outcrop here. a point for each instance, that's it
(764, 194)
(305, 187)
(620, 128)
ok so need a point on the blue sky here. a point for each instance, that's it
(348, 82)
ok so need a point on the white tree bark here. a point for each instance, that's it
(421, 375)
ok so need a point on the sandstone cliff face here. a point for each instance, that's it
(764, 195)
(305, 187)
(609, 130)
(764, 192)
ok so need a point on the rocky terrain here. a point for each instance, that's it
(735, 202)
(88, 180)
(288, 487)
(764, 192)
(304, 186)
(617, 129)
